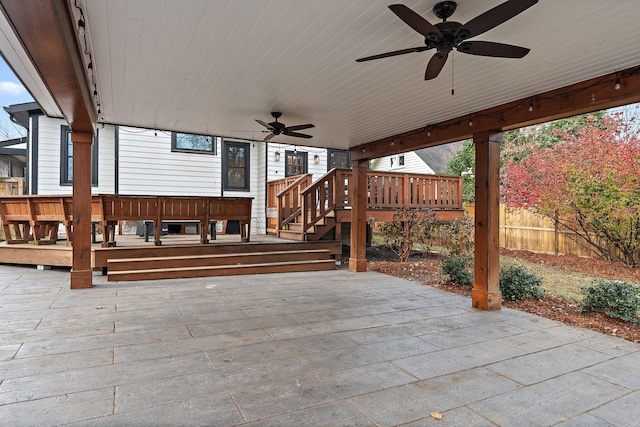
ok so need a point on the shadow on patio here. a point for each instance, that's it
(327, 348)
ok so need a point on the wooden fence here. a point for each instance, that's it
(14, 186)
(524, 230)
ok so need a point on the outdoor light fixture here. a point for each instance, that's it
(81, 27)
(90, 68)
(531, 104)
(617, 86)
(316, 159)
(470, 121)
(276, 156)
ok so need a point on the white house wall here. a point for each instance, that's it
(49, 159)
(277, 168)
(147, 166)
(412, 164)
(4, 168)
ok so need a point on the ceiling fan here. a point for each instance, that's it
(277, 128)
(448, 35)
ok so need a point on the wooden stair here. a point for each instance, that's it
(319, 230)
(174, 267)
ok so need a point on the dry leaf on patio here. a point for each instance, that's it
(436, 415)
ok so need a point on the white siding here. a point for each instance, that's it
(106, 161)
(4, 168)
(412, 164)
(147, 166)
(277, 168)
(49, 158)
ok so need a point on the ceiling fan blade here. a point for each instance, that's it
(499, 50)
(394, 53)
(297, 135)
(435, 65)
(268, 137)
(415, 21)
(265, 124)
(300, 127)
(492, 18)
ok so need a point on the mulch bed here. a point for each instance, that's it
(426, 269)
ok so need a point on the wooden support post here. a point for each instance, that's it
(486, 288)
(81, 273)
(358, 190)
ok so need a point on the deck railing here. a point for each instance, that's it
(385, 191)
(38, 217)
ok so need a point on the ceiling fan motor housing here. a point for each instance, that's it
(444, 9)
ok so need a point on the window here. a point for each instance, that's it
(338, 159)
(190, 143)
(235, 166)
(66, 157)
(296, 163)
(396, 161)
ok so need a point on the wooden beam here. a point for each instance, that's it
(46, 30)
(486, 288)
(588, 96)
(358, 255)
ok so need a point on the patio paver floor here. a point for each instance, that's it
(326, 348)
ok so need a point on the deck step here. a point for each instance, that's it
(148, 263)
(223, 270)
(291, 235)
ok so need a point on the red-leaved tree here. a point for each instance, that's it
(588, 183)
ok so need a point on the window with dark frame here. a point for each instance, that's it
(235, 166)
(338, 159)
(66, 157)
(191, 143)
(296, 163)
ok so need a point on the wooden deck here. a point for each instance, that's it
(173, 245)
(300, 209)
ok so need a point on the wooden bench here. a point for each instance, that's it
(38, 218)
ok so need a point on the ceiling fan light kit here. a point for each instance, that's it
(448, 35)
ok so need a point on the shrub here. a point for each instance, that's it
(458, 236)
(617, 299)
(516, 283)
(458, 269)
(407, 228)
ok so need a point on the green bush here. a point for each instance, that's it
(617, 299)
(516, 283)
(458, 269)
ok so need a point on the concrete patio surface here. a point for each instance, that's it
(297, 349)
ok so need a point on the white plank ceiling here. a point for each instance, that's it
(213, 67)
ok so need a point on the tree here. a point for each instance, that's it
(519, 143)
(464, 161)
(589, 182)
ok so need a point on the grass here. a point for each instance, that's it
(554, 281)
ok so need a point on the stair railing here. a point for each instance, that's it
(289, 200)
(323, 196)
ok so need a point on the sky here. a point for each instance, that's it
(11, 92)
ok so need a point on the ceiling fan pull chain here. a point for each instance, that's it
(452, 62)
